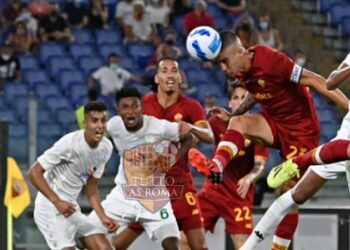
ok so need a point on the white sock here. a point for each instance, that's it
(273, 216)
(280, 241)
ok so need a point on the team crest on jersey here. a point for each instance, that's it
(178, 117)
(261, 82)
(145, 167)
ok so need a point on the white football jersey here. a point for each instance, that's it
(136, 147)
(68, 162)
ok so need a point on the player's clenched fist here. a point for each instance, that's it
(64, 207)
(110, 224)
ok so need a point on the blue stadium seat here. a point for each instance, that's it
(79, 50)
(106, 49)
(108, 36)
(8, 115)
(48, 50)
(89, 64)
(11, 90)
(195, 76)
(325, 5)
(72, 127)
(141, 53)
(43, 90)
(178, 24)
(325, 115)
(48, 134)
(215, 11)
(35, 76)
(67, 77)
(56, 102)
(83, 36)
(345, 27)
(337, 12)
(65, 117)
(18, 142)
(128, 63)
(3, 102)
(58, 63)
(76, 92)
(329, 130)
(22, 106)
(29, 63)
(44, 115)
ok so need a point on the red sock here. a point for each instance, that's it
(231, 143)
(330, 152)
(287, 226)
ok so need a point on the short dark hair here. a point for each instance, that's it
(127, 92)
(112, 55)
(167, 58)
(233, 88)
(227, 38)
(95, 106)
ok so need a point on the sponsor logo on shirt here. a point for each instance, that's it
(88, 173)
(263, 96)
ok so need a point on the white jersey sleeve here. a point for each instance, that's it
(347, 60)
(170, 130)
(59, 152)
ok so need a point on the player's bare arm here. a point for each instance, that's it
(36, 176)
(318, 83)
(338, 76)
(247, 180)
(202, 132)
(93, 195)
(247, 103)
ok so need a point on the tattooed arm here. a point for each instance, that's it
(247, 103)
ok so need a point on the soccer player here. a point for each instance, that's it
(169, 104)
(77, 159)
(316, 176)
(288, 119)
(233, 198)
(142, 170)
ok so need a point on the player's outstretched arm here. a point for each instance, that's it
(202, 132)
(247, 103)
(338, 76)
(36, 176)
(318, 82)
(95, 201)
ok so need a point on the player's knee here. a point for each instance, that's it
(170, 243)
(197, 243)
(299, 196)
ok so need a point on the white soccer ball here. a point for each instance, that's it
(203, 43)
(166, 148)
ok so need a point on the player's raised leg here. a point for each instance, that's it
(251, 126)
(334, 151)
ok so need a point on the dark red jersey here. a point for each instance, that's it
(274, 82)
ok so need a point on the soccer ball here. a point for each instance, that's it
(203, 43)
(166, 148)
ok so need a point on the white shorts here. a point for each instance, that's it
(331, 171)
(158, 225)
(59, 231)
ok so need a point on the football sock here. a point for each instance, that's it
(231, 143)
(273, 216)
(330, 152)
(285, 230)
